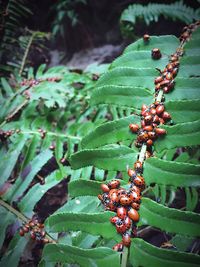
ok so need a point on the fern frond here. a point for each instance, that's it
(153, 11)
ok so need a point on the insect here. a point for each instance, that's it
(135, 197)
(133, 215)
(155, 53)
(148, 128)
(160, 131)
(114, 184)
(133, 127)
(118, 247)
(135, 206)
(121, 227)
(166, 115)
(114, 219)
(125, 200)
(158, 79)
(126, 240)
(121, 212)
(159, 109)
(127, 222)
(146, 38)
(148, 118)
(138, 165)
(149, 142)
(139, 181)
(105, 188)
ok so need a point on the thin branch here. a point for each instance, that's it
(142, 153)
(159, 97)
(14, 211)
(124, 257)
(26, 53)
(52, 134)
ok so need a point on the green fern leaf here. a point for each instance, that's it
(144, 254)
(84, 257)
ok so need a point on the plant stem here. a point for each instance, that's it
(52, 134)
(14, 211)
(26, 53)
(142, 153)
(159, 96)
(124, 257)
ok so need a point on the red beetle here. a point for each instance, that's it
(135, 197)
(105, 188)
(146, 38)
(148, 128)
(125, 200)
(139, 181)
(114, 219)
(166, 115)
(159, 109)
(114, 184)
(155, 53)
(118, 247)
(100, 197)
(121, 227)
(160, 131)
(114, 195)
(133, 215)
(126, 240)
(135, 206)
(138, 165)
(135, 189)
(133, 127)
(121, 212)
(149, 142)
(112, 206)
(131, 173)
(127, 222)
(21, 232)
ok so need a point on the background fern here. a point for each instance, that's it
(58, 107)
(16, 39)
(152, 13)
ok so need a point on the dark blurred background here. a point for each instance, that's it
(79, 25)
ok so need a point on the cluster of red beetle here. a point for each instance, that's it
(36, 230)
(6, 134)
(126, 203)
(34, 82)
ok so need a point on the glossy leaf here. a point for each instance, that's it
(14, 251)
(185, 89)
(7, 218)
(140, 59)
(183, 111)
(163, 172)
(28, 174)
(124, 96)
(168, 219)
(28, 202)
(94, 223)
(84, 257)
(10, 158)
(110, 132)
(127, 76)
(183, 134)
(108, 158)
(84, 188)
(155, 41)
(146, 255)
